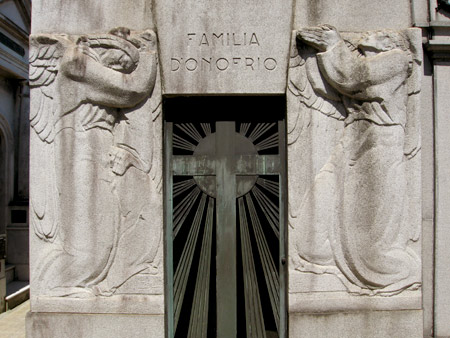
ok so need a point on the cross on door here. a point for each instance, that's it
(231, 175)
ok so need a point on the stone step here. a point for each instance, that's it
(10, 271)
(17, 292)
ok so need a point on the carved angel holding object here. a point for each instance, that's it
(93, 137)
(352, 221)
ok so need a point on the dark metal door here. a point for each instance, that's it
(225, 227)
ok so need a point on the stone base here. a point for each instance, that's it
(68, 325)
(361, 324)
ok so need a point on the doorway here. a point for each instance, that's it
(225, 189)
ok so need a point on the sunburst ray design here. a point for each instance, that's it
(194, 236)
(269, 186)
(190, 130)
(180, 187)
(270, 210)
(253, 310)
(206, 127)
(182, 210)
(183, 269)
(269, 267)
(198, 324)
(244, 127)
(259, 130)
(268, 143)
(181, 143)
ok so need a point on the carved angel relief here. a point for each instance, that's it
(96, 159)
(355, 218)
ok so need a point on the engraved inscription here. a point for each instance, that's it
(223, 63)
(209, 53)
(222, 39)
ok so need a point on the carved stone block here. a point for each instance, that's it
(44, 325)
(373, 324)
(354, 168)
(356, 16)
(217, 47)
(95, 198)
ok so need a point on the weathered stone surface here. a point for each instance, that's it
(318, 302)
(367, 324)
(44, 325)
(96, 201)
(217, 47)
(354, 157)
(350, 15)
(354, 162)
(442, 233)
(124, 304)
(84, 16)
(427, 121)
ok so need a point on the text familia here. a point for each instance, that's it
(222, 52)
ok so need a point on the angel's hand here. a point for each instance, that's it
(322, 37)
(120, 160)
(147, 40)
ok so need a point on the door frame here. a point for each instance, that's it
(168, 219)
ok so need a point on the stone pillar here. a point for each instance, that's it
(354, 168)
(96, 173)
(439, 49)
(442, 251)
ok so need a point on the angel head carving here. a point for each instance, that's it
(371, 81)
(100, 72)
(325, 37)
(117, 50)
(382, 41)
(115, 70)
(112, 52)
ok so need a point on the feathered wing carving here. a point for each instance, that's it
(315, 120)
(309, 87)
(327, 211)
(413, 141)
(45, 55)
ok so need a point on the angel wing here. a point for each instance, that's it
(308, 86)
(413, 142)
(315, 123)
(43, 192)
(45, 54)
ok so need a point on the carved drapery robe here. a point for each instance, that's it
(353, 220)
(102, 149)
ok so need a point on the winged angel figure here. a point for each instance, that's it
(353, 219)
(96, 128)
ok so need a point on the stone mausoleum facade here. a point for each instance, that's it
(239, 168)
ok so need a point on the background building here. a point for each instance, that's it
(15, 20)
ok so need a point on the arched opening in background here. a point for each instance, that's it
(6, 179)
